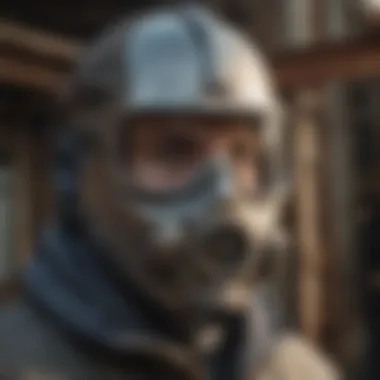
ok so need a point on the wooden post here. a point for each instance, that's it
(304, 28)
(43, 182)
(342, 333)
(23, 196)
(307, 155)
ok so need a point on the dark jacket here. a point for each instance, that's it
(79, 320)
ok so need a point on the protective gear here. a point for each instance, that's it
(182, 60)
(177, 62)
(185, 62)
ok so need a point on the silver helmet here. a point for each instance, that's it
(183, 59)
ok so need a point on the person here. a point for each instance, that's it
(169, 181)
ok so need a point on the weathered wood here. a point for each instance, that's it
(328, 62)
(296, 68)
(29, 75)
(35, 42)
(22, 219)
(44, 192)
(307, 154)
(23, 228)
(305, 29)
(342, 335)
(343, 330)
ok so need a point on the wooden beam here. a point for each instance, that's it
(318, 64)
(328, 62)
(30, 75)
(36, 42)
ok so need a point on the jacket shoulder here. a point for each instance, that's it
(293, 357)
(30, 345)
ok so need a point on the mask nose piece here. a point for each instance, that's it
(225, 183)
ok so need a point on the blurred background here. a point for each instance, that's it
(326, 57)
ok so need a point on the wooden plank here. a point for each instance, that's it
(36, 42)
(44, 192)
(307, 66)
(342, 330)
(307, 156)
(315, 65)
(328, 62)
(23, 197)
(29, 75)
(306, 28)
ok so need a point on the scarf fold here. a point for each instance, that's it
(70, 280)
